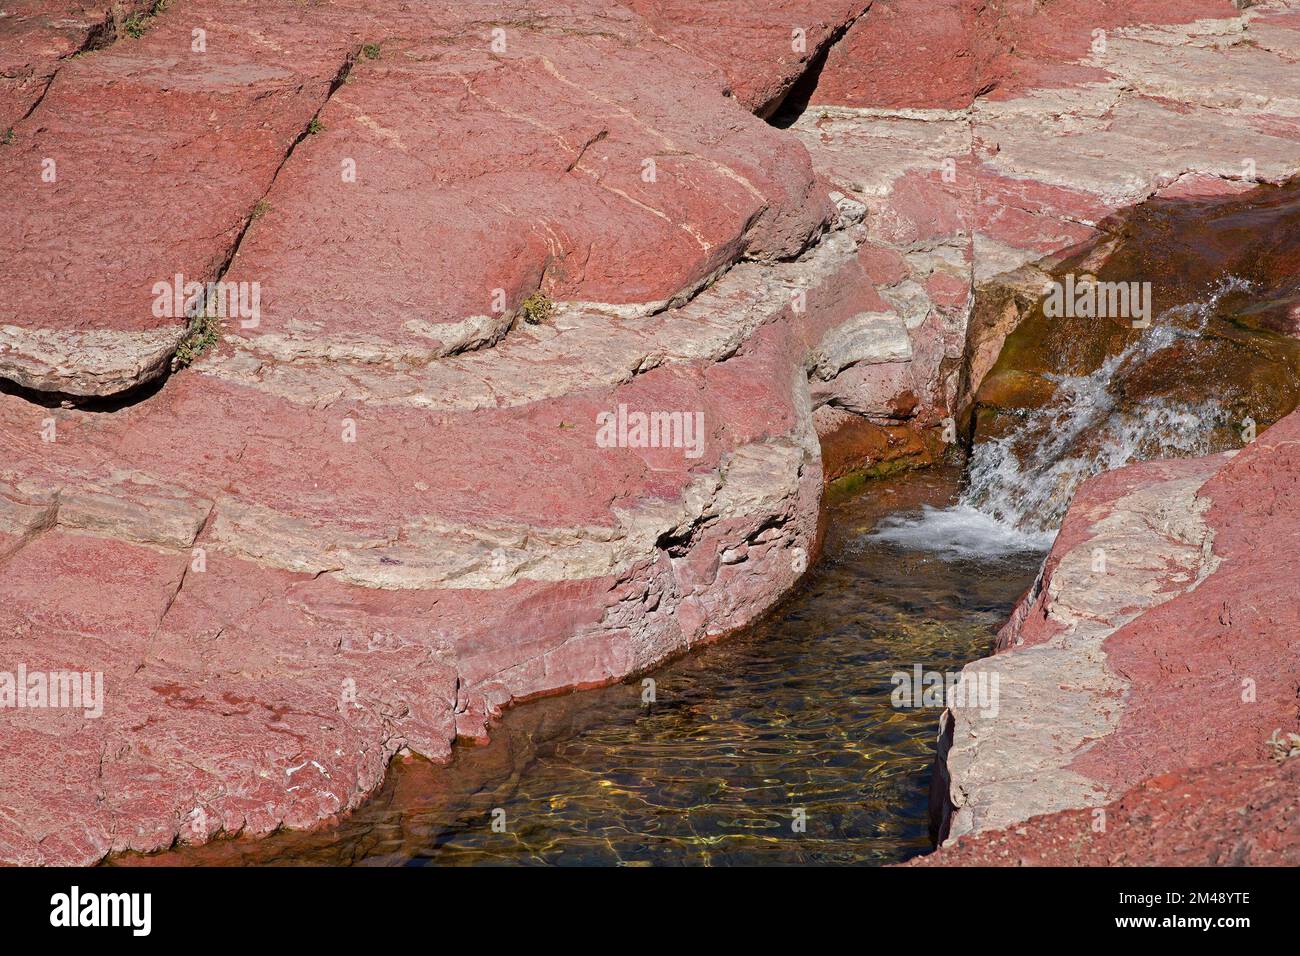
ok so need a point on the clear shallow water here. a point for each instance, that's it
(793, 714)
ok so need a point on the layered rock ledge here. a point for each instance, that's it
(1148, 682)
(380, 509)
(386, 503)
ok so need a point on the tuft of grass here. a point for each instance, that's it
(7, 138)
(370, 51)
(314, 126)
(260, 209)
(137, 24)
(203, 333)
(537, 308)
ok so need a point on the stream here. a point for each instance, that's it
(793, 714)
(783, 744)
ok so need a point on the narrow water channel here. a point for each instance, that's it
(793, 719)
(793, 715)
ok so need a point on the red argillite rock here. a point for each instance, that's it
(526, 325)
(1158, 648)
(37, 35)
(989, 139)
(527, 330)
(781, 39)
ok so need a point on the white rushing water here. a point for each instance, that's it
(1019, 486)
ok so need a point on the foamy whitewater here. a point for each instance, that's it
(1018, 487)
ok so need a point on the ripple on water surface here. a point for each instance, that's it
(793, 714)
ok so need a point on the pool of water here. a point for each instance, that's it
(790, 720)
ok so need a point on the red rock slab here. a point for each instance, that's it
(942, 54)
(205, 448)
(904, 54)
(1021, 47)
(232, 707)
(230, 700)
(1224, 814)
(1201, 186)
(160, 155)
(1205, 676)
(478, 172)
(262, 698)
(54, 616)
(283, 482)
(37, 35)
(1216, 671)
(755, 43)
(220, 696)
(1019, 219)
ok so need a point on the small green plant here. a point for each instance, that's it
(370, 51)
(137, 24)
(203, 332)
(314, 126)
(260, 209)
(7, 138)
(1284, 746)
(537, 308)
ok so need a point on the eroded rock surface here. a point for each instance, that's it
(990, 141)
(384, 505)
(1146, 677)
(410, 486)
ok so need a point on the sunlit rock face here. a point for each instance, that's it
(314, 317)
(521, 313)
(1149, 679)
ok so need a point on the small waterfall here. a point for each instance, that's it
(1019, 485)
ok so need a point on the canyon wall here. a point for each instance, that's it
(484, 242)
(410, 486)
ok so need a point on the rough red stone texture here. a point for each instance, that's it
(780, 39)
(942, 54)
(159, 155)
(372, 518)
(1224, 814)
(905, 53)
(1209, 676)
(1021, 47)
(1216, 670)
(539, 166)
(36, 35)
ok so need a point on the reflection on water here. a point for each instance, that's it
(794, 714)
